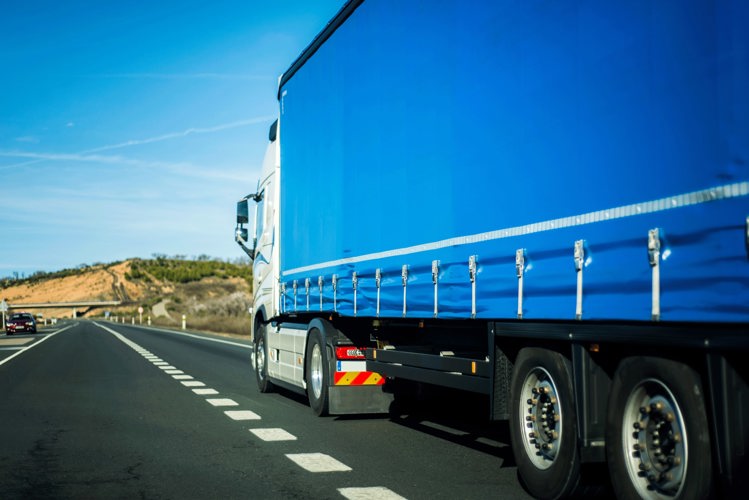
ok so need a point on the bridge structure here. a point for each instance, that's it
(75, 305)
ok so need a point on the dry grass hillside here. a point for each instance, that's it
(213, 295)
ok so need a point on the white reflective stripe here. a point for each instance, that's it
(726, 191)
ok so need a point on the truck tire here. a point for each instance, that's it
(543, 423)
(317, 375)
(657, 433)
(261, 360)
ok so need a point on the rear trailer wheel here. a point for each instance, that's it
(261, 360)
(658, 440)
(317, 374)
(543, 423)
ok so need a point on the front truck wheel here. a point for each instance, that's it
(658, 439)
(317, 373)
(543, 423)
(261, 360)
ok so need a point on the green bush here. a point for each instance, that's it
(186, 271)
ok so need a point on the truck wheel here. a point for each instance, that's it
(657, 434)
(261, 361)
(543, 423)
(317, 374)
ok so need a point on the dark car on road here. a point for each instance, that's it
(20, 322)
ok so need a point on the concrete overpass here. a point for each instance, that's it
(64, 305)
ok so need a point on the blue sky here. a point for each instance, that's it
(129, 129)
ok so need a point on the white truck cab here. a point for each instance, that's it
(262, 250)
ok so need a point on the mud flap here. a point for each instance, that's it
(349, 400)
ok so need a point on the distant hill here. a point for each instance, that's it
(214, 295)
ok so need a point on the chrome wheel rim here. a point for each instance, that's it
(654, 441)
(540, 417)
(260, 358)
(315, 371)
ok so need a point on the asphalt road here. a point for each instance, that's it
(102, 410)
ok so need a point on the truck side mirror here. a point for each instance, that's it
(243, 213)
(241, 235)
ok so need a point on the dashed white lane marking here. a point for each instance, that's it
(222, 402)
(202, 337)
(273, 434)
(317, 462)
(312, 462)
(242, 415)
(205, 392)
(192, 383)
(373, 493)
(182, 377)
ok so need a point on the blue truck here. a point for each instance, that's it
(543, 202)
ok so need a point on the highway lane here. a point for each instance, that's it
(107, 410)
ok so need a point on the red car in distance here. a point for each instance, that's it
(20, 322)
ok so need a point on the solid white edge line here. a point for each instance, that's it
(199, 337)
(36, 344)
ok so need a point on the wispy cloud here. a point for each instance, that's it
(83, 155)
(183, 168)
(185, 76)
(184, 133)
(29, 139)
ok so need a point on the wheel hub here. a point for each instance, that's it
(316, 375)
(543, 418)
(656, 441)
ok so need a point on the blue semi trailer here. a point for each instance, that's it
(543, 202)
